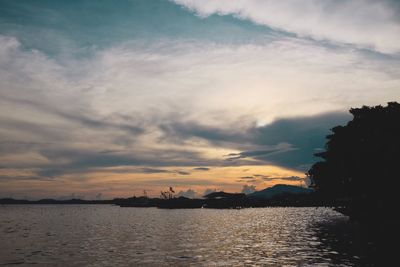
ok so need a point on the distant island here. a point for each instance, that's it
(276, 196)
(50, 201)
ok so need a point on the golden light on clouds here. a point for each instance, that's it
(127, 181)
(126, 110)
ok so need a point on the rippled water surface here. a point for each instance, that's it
(102, 235)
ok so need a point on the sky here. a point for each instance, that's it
(103, 99)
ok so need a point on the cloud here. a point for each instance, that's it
(279, 148)
(208, 191)
(188, 193)
(248, 179)
(201, 169)
(152, 170)
(182, 172)
(289, 142)
(177, 130)
(182, 182)
(99, 196)
(248, 189)
(149, 105)
(52, 27)
(80, 118)
(363, 23)
(66, 160)
(289, 178)
(304, 134)
(260, 178)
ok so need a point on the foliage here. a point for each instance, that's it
(362, 160)
(169, 194)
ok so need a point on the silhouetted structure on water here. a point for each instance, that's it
(283, 196)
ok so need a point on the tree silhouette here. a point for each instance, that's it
(362, 159)
(169, 194)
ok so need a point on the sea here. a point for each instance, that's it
(107, 235)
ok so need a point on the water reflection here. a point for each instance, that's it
(113, 236)
(351, 243)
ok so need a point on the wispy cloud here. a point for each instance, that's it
(259, 178)
(363, 23)
(188, 193)
(289, 178)
(201, 169)
(248, 189)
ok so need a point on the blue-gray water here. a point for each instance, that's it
(104, 235)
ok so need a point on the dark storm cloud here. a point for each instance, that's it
(290, 142)
(305, 134)
(178, 131)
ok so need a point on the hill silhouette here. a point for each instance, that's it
(279, 189)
